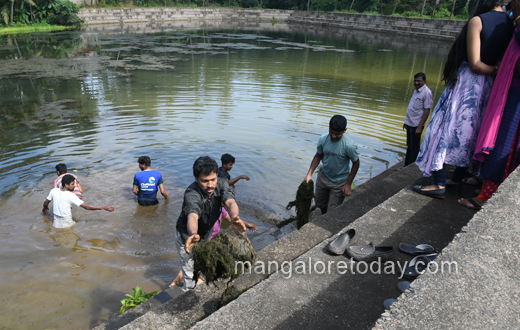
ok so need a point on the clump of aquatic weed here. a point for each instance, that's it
(231, 293)
(217, 258)
(304, 197)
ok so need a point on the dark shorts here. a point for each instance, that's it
(148, 203)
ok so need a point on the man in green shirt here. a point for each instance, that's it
(335, 178)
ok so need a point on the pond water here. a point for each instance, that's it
(97, 100)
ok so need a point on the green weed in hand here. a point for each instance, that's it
(133, 300)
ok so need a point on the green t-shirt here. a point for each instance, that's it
(337, 157)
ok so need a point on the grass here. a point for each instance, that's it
(33, 28)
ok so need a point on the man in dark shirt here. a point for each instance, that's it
(201, 208)
(227, 164)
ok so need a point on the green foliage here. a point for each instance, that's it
(64, 13)
(442, 13)
(411, 14)
(274, 21)
(133, 300)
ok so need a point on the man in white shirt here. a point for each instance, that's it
(416, 115)
(63, 199)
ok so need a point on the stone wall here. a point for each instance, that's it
(417, 27)
(444, 29)
(154, 15)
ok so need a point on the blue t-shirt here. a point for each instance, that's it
(148, 182)
(337, 157)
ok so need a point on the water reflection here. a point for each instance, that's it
(97, 100)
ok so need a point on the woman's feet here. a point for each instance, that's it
(474, 203)
(434, 191)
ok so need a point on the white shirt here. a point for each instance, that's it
(62, 205)
(421, 99)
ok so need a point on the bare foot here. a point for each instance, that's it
(178, 280)
(432, 187)
(200, 281)
(474, 203)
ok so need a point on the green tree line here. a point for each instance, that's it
(64, 12)
(413, 8)
(27, 12)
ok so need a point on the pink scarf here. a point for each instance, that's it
(497, 101)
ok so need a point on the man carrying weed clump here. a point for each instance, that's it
(335, 178)
(201, 208)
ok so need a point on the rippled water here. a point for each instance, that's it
(97, 101)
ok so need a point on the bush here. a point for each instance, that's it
(64, 13)
(411, 14)
(442, 13)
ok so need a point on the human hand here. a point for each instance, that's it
(347, 190)
(307, 178)
(418, 131)
(45, 209)
(191, 242)
(245, 177)
(250, 226)
(238, 225)
(166, 196)
(108, 208)
(404, 127)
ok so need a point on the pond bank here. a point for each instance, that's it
(483, 246)
(417, 27)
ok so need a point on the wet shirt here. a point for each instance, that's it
(207, 208)
(337, 156)
(421, 99)
(148, 182)
(222, 173)
(62, 204)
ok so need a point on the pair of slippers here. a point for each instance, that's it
(343, 243)
(424, 254)
(401, 286)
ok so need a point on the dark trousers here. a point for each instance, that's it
(439, 177)
(148, 203)
(413, 142)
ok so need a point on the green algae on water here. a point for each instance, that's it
(218, 258)
(304, 197)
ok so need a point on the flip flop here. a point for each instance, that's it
(474, 205)
(415, 268)
(402, 286)
(416, 250)
(339, 245)
(387, 303)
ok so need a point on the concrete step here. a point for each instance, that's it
(328, 297)
(173, 309)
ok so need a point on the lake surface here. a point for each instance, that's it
(97, 100)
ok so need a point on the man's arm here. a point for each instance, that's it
(347, 188)
(46, 206)
(232, 207)
(419, 129)
(193, 228)
(79, 186)
(163, 191)
(238, 178)
(94, 208)
(136, 190)
(315, 162)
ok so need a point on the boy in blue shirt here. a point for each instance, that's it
(147, 182)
